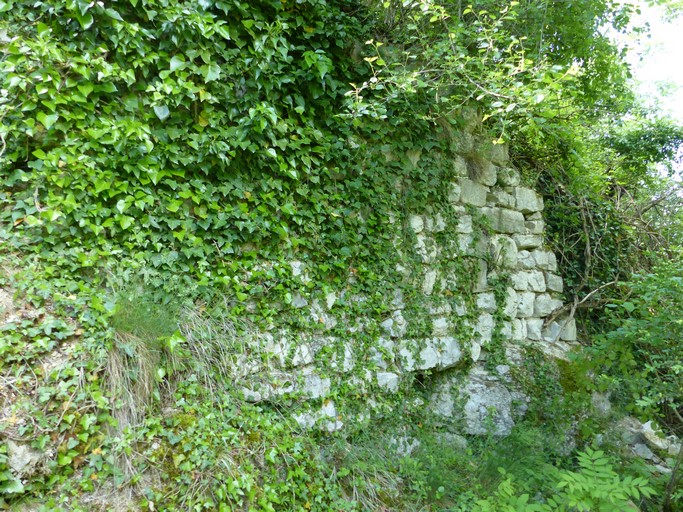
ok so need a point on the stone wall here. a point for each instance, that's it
(476, 267)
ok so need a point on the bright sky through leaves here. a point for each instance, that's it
(657, 60)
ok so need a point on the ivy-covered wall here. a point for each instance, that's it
(472, 284)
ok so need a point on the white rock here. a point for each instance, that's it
(475, 351)
(454, 193)
(545, 304)
(519, 329)
(472, 193)
(429, 282)
(503, 251)
(303, 355)
(484, 172)
(440, 327)
(503, 220)
(416, 223)
(387, 381)
(528, 241)
(554, 283)
(508, 177)
(525, 260)
(298, 301)
(527, 200)
(525, 304)
(511, 303)
(439, 223)
(314, 386)
(486, 302)
(534, 329)
(487, 403)
(485, 326)
(568, 332)
(499, 197)
(450, 352)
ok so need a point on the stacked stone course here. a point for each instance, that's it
(495, 223)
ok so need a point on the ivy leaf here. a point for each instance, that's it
(177, 62)
(161, 112)
(86, 20)
(211, 72)
(47, 120)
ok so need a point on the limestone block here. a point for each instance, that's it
(481, 276)
(498, 154)
(463, 143)
(552, 262)
(503, 220)
(540, 258)
(429, 282)
(454, 193)
(24, 460)
(503, 251)
(298, 301)
(395, 326)
(498, 197)
(449, 352)
(534, 329)
(426, 248)
(488, 403)
(315, 386)
(469, 245)
(406, 358)
(508, 177)
(545, 304)
(545, 259)
(459, 166)
(464, 224)
(506, 330)
(551, 333)
(388, 381)
(416, 223)
(398, 302)
(528, 241)
(486, 302)
(440, 327)
(525, 260)
(553, 283)
(568, 332)
(475, 350)
(442, 401)
(443, 308)
(428, 357)
(484, 327)
(377, 358)
(345, 359)
(525, 304)
(528, 280)
(297, 268)
(519, 331)
(472, 193)
(303, 355)
(534, 227)
(484, 172)
(330, 300)
(439, 223)
(527, 200)
(511, 302)
(460, 309)
(429, 223)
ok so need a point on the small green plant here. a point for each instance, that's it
(594, 487)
